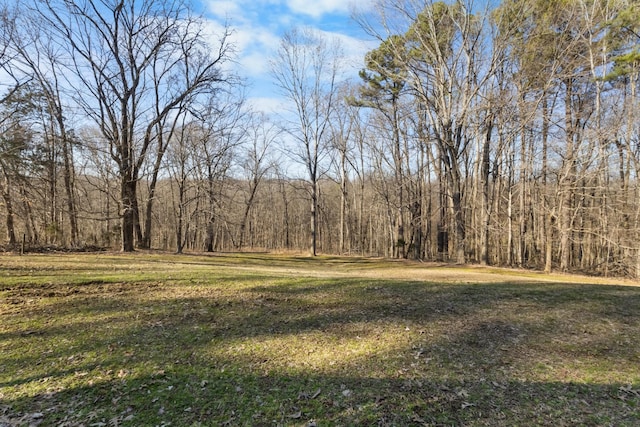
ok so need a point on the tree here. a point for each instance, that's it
(16, 144)
(133, 64)
(384, 80)
(306, 70)
(343, 129)
(448, 64)
(261, 137)
(221, 130)
(624, 38)
(181, 157)
(36, 55)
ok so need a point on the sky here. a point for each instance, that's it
(258, 26)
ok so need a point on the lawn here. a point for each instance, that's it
(267, 340)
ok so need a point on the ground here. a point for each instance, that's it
(258, 339)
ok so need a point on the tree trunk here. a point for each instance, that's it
(129, 205)
(460, 227)
(343, 200)
(9, 221)
(69, 176)
(314, 218)
(145, 242)
(566, 181)
(253, 188)
(181, 239)
(30, 223)
(522, 216)
(455, 184)
(209, 237)
(486, 207)
(416, 222)
(547, 216)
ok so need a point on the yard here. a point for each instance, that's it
(153, 339)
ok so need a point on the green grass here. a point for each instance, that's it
(264, 340)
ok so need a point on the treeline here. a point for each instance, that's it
(501, 134)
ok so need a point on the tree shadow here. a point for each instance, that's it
(477, 354)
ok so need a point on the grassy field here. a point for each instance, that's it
(266, 340)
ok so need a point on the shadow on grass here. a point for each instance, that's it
(179, 396)
(340, 352)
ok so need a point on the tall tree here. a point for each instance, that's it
(222, 129)
(132, 65)
(16, 147)
(306, 69)
(35, 54)
(261, 137)
(384, 80)
(449, 63)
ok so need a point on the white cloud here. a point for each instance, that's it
(257, 27)
(269, 105)
(318, 8)
(224, 8)
(353, 49)
(254, 64)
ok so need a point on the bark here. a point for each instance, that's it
(68, 177)
(342, 233)
(547, 215)
(129, 203)
(486, 205)
(313, 248)
(567, 181)
(211, 218)
(10, 216)
(449, 145)
(253, 188)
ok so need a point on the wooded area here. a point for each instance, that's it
(505, 135)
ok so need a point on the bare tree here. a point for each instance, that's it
(222, 129)
(261, 137)
(306, 70)
(36, 55)
(182, 163)
(132, 65)
(445, 53)
(342, 130)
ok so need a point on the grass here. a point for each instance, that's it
(265, 340)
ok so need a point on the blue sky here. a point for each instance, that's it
(259, 24)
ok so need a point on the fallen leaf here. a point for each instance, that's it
(463, 393)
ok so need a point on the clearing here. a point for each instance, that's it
(264, 340)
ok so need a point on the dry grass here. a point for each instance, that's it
(258, 339)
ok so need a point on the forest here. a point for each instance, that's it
(500, 133)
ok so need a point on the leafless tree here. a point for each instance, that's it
(256, 164)
(133, 64)
(222, 130)
(306, 69)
